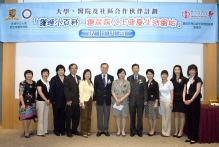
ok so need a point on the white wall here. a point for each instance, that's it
(159, 56)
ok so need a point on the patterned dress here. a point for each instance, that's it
(29, 91)
(120, 90)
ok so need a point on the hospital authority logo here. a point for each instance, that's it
(197, 14)
(26, 14)
(210, 14)
(185, 14)
(12, 15)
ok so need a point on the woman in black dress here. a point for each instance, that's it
(193, 95)
(27, 94)
(179, 83)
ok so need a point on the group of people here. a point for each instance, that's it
(72, 99)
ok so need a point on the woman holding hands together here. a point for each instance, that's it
(86, 91)
(120, 93)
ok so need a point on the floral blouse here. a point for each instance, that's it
(29, 91)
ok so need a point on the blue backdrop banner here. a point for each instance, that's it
(109, 21)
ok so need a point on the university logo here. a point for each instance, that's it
(12, 15)
(26, 13)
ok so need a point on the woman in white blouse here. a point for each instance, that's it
(86, 91)
(166, 103)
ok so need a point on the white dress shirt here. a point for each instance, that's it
(189, 83)
(75, 78)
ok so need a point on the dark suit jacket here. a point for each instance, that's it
(56, 92)
(153, 90)
(139, 90)
(71, 89)
(192, 88)
(102, 93)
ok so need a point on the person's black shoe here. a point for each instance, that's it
(63, 133)
(140, 134)
(31, 133)
(107, 133)
(179, 136)
(57, 133)
(69, 135)
(41, 135)
(132, 134)
(28, 136)
(192, 142)
(76, 133)
(151, 134)
(98, 134)
(187, 140)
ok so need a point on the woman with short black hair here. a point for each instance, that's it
(151, 109)
(120, 92)
(166, 103)
(193, 95)
(27, 94)
(57, 99)
(43, 103)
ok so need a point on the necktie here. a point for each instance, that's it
(76, 79)
(136, 78)
(104, 81)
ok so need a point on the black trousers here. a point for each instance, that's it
(192, 119)
(132, 110)
(72, 116)
(59, 119)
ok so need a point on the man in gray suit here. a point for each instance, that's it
(138, 97)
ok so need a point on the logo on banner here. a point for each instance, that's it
(185, 14)
(12, 15)
(26, 14)
(210, 14)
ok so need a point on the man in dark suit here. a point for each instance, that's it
(102, 99)
(72, 98)
(137, 98)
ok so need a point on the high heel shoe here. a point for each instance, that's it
(187, 140)
(118, 134)
(31, 133)
(175, 135)
(85, 136)
(151, 134)
(42, 135)
(192, 142)
(28, 136)
(179, 136)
